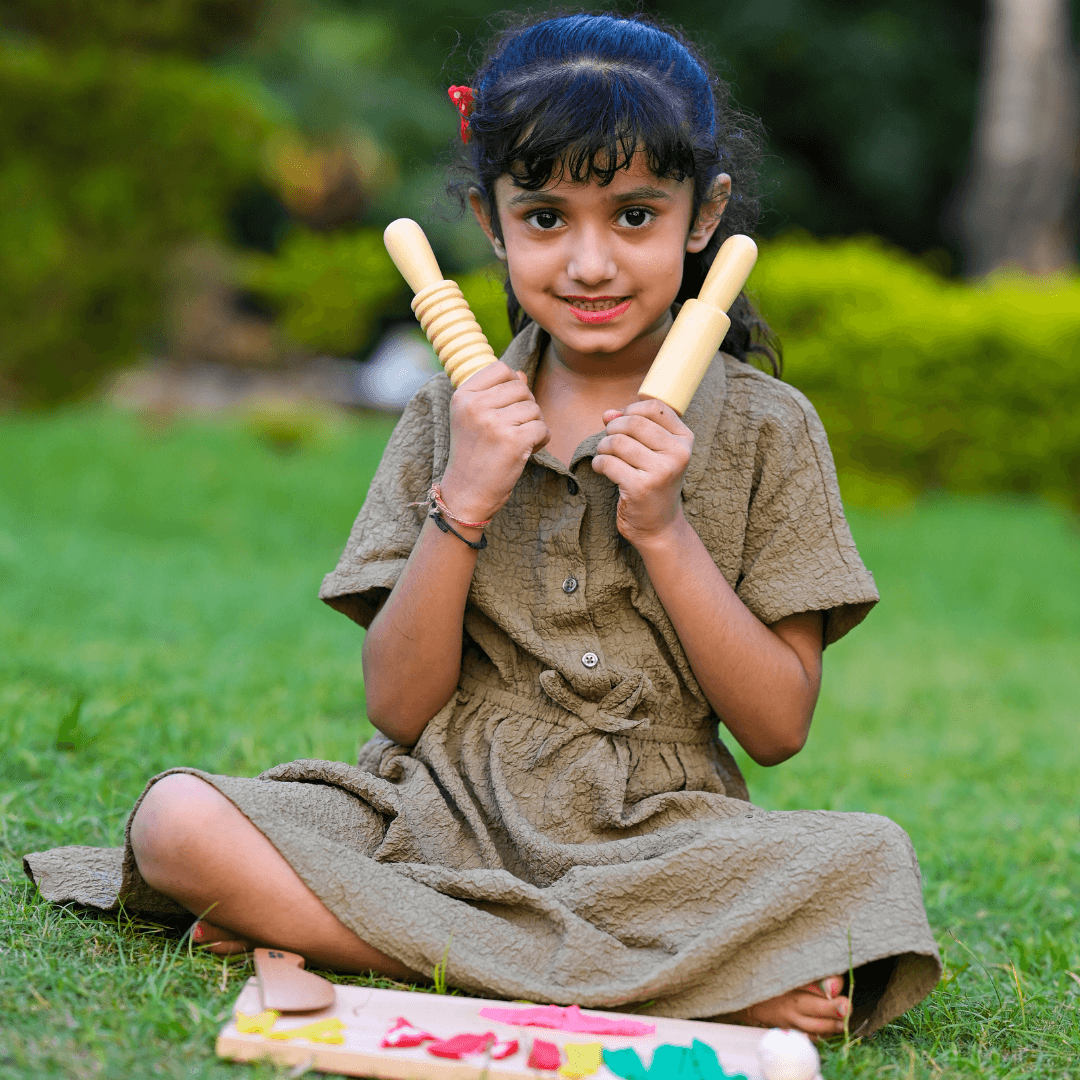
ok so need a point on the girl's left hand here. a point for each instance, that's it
(645, 450)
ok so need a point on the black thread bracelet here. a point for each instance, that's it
(446, 527)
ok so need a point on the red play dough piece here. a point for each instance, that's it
(460, 1045)
(404, 1034)
(544, 1055)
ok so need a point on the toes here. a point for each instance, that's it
(830, 987)
(218, 941)
(816, 1005)
(816, 1015)
(228, 948)
(818, 1028)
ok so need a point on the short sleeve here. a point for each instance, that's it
(387, 526)
(798, 554)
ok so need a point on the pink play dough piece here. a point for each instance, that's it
(404, 1034)
(544, 1055)
(570, 1019)
(460, 1045)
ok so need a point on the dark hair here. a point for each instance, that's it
(576, 96)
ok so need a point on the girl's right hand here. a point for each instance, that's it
(495, 424)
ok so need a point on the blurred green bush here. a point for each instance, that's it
(925, 383)
(329, 288)
(483, 289)
(108, 161)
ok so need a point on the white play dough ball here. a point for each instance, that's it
(787, 1055)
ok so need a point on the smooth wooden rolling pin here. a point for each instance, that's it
(699, 328)
(443, 312)
(463, 349)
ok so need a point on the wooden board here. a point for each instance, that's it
(368, 1013)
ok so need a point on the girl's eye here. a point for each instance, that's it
(635, 217)
(543, 219)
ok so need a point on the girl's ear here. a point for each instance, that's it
(483, 217)
(710, 213)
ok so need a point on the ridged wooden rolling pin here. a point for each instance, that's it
(463, 349)
(700, 326)
(443, 312)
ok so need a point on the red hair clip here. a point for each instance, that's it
(464, 98)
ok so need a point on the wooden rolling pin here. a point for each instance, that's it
(463, 349)
(699, 328)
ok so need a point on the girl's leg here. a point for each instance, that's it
(194, 846)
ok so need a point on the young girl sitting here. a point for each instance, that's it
(553, 637)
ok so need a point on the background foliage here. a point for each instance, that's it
(109, 159)
(130, 128)
(925, 383)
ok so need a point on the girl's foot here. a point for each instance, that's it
(219, 942)
(817, 1009)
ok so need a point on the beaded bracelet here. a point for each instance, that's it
(446, 527)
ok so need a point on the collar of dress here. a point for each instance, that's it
(702, 415)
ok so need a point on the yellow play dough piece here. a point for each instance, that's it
(323, 1031)
(259, 1024)
(582, 1059)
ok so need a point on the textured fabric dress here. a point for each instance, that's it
(570, 823)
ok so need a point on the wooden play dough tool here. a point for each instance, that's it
(439, 304)
(699, 328)
(285, 986)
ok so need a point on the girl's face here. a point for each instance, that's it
(599, 267)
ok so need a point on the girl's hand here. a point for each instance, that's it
(646, 451)
(495, 424)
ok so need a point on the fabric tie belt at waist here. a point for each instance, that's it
(613, 714)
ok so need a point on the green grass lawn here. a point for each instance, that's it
(157, 607)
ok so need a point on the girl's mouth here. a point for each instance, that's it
(597, 309)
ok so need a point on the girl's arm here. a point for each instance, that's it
(412, 650)
(763, 680)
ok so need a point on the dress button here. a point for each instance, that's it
(569, 585)
(571, 485)
(590, 659)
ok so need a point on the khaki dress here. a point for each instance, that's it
(570, 826)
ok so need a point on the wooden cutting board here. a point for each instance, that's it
(367, 1015)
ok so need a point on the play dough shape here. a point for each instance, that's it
(404, 1034)
(461, 1045)
(570, 1019)
(544, 1055)
(259, 1024)
(695, 1062)
(582, 1059)
(787, 1055)
(323, 1031)
(365, 1016)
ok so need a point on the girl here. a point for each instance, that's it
(551, 645)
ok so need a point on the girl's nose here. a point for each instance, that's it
(591, 261)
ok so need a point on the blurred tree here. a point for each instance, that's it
(193, 27)
(1019, 203)
(111, 156)
(371, 125)
(869, 104)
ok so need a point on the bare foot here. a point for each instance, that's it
(219, 942)
(817, 1009)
